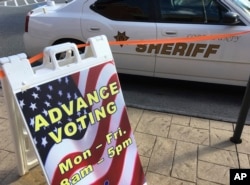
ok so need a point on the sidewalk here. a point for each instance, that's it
(174, 149)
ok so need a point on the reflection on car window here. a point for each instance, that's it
(191, 11)
(123, 10)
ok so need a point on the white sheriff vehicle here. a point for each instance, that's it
(221, 60)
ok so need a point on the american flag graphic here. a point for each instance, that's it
(91, 151)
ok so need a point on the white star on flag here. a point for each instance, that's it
(33, 106)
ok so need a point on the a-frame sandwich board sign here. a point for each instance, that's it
(25, 154)
(74, 111)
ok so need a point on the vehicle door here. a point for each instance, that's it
(222, 60)
(122, 20)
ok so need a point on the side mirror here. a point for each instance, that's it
(231, 18)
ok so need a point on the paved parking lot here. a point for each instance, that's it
(16, 3)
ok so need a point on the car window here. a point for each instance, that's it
(123, 10)
(214, 12)
(191, 11)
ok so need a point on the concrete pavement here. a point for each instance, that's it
(174, 149)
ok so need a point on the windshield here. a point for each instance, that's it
(243, 4)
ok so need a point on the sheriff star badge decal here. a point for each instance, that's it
(121, 36)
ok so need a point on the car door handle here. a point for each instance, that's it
(170, 33)
(94, 29)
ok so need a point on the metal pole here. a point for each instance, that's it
(242, 116)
